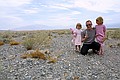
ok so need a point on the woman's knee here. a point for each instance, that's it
(84, 52)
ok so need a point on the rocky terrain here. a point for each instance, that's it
(70, 65)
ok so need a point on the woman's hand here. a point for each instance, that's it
(84, 38)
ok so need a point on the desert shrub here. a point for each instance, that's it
(7, 34)
(1, 43)
(116, 34)
(14, 43)
(28, 43)
(6, 37)
(118, 44)
(109, 33)
(113, 34)
(1, 38)
(38, 39)
(41, 36)
(35, 54)
(52, 60)
(7, 40)
(60, 32)
(38, 54)
(24, 56)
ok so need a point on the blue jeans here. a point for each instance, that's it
(94, 46)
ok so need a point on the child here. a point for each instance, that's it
(100, 33)
(77, 37)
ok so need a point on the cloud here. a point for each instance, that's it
(94, 5)
(8, 22)
(58, 20)
(58, 7)
(76, 12)
(99, 6)
(15, 13)
(13, 3)
(31, 11)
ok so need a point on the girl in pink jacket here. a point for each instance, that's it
(77, 37)
(100, 33)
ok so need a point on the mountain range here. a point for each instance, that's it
(45, 27)
(39, 27)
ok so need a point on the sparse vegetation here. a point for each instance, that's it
(60, 32)
(14, 43)
(118, 44)
(52, 60)
(19, 63)
(35, 54)
(113, 34)
(39, 55)
(1, 43)
(116, 34)
(37, 39)
(28, 43)
(6, 37)
(30, 39)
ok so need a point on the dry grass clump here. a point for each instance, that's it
(1, 43)
(25, 55)
(35, 54)
(39, 55)
(76, 78)
(52, 60)
(14, 43)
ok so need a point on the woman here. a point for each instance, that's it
(88, 39)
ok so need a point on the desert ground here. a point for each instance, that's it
(50, 55)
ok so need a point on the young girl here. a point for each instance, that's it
(100, 33)
(77, 37)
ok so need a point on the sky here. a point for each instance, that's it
(65, 13)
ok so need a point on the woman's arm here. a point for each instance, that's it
(84, 36)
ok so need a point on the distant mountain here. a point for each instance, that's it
(117, 25)
(45, 27)
(34, 27)
(39, 27)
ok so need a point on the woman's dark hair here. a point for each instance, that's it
(89, 21)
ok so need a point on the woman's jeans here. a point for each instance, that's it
(94, 46)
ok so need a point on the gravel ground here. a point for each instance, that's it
(70, 65)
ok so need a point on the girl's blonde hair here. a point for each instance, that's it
(100, 19)
(78, 24)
